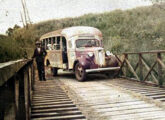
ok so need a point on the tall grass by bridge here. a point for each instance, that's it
(132, 30)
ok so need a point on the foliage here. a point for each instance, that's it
(139, 29)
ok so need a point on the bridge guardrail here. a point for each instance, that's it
(16, 85)
(146, 73)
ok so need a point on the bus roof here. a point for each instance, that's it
(73, 31)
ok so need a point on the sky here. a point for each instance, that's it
(41, 10)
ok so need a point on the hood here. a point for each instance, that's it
(89, 49)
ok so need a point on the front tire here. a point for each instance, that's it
(80, 72)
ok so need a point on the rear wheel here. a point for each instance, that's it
(54, 71)
(80, 72)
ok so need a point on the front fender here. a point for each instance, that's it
(84, 62)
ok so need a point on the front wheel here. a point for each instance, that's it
(80, 72)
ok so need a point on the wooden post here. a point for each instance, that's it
(26, 94)
(160, 72)
(16, 92)
(29, 89)
(125, 68)
(33, 75)
(140, 67)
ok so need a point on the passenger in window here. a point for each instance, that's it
(39, 54)
(50, 47)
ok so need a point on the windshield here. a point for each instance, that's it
(87, 43)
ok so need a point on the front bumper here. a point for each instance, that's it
(101, 69)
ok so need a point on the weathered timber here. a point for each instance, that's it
(157, 73)
(16, 89)
(148, 68)
(149, 72)
(160, 72)
(7, 70)
(132, 70)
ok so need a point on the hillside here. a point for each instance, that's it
(137, 29)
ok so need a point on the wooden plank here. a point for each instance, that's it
(136, 66)
(53, 106)
(149, 72)
(124, 104)
(55, 113)
(122, 108)
(131, 111)
(52, 96)
(154, 93)
(160, 72)
(148, 68)
(120, 68)
(54, 110)
(51, 100)
(155, 71)
(16, 86)
(146, 52)
(51, 103)
(67, 117)
(140, 67)
(26, 95)
(140, 116)
(161, 63)
(132, 70)
(158, 96)
(8, 69)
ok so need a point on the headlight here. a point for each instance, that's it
(108, 53)
(90, 54)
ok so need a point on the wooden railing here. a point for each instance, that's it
(16, 85)
(151, 70)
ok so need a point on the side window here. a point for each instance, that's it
(46, 43)
(49, 40)
(58, 43)
(54, 40)
(50, 46)
(43, 43)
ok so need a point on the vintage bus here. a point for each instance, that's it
(79, 49)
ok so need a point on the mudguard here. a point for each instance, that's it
(85, 62)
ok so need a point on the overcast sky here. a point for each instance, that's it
(40, 10)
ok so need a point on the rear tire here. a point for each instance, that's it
(80, 72)
(54, 71)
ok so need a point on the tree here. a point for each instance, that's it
(10, 31)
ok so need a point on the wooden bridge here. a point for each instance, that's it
(137, 93)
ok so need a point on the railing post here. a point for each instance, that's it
(16, 95)
(29, 87)
(140, 67)
(126, 67)
(160, 72)
(26, 93)
(32, 75)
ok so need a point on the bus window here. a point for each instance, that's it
(49, 40)
(43, 43)
(46, 43)
(54, 40)
(58, 43)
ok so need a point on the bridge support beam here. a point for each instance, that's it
(160, 72)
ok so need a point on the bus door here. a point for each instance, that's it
(64, 51)
(57, 53)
